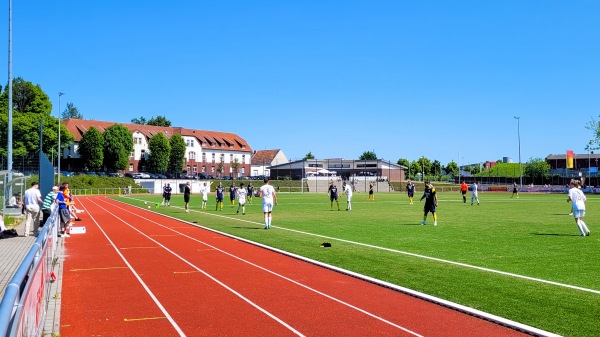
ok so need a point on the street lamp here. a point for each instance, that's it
(423, 167)
(519, 138)
(59, 94)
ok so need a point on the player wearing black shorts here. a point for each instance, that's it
(333, 195)
(430, 203)
(168, 190)
(186, 196)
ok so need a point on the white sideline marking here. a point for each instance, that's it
(268, 271)
(137, 276)
(416, 255)
(296, 332)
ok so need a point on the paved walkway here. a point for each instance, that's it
(12, 254)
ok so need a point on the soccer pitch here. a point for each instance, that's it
(521, 259)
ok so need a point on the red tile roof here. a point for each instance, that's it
(207, 139)
(264, 157)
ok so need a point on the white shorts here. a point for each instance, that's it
(349, 198)
(267, 207)
(579, 214)
(241, 201)
(204, 197)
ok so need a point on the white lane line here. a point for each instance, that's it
(277, 319)
(421, 256)
(381, 319)
(156, 301)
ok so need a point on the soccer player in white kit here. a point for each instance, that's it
(269, 200)
(241, 196)
(348, 191)
(474, 196)
(578, 199)
(204, 190)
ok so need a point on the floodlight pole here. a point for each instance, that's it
(59, 154)
(519, 138)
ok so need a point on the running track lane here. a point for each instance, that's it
(137, 273)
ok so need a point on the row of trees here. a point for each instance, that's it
(111, 150)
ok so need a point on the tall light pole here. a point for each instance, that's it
(59, 154)
(423, 167)
(519, 138)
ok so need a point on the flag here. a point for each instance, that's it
(570, 159)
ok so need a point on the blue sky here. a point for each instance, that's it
(404, 79)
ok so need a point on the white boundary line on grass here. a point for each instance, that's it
(455, 306)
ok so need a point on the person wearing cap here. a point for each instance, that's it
(49, 200)
(431, 203)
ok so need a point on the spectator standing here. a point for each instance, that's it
(186, 196)
(63, 210)
(33, 199)
(49, 200)
(269, 200)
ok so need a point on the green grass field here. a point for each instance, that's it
(532, 236)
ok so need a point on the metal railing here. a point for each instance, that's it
(23, 307)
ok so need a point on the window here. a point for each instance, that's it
(187, 142)
(203, 169)
(132, 155)
(231, 158)
(243, 159)
(242, 171)
(212, 169)
(192, 143)
(203, 158)
(195, 169)
(222, 157)
(213, 157)
(192, 155)
(130, 167)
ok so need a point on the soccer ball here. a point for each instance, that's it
(145, 203)
(148, 207)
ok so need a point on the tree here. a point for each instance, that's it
(118, 145)
(537, 167)
(160, 151)
(71, 112)
(436, 168)
(141, 120)
(31, 106)
(91, 149)
(452, 168)
(220, 167)
(177, 153)
(235, 166)
(594, 126)
(28, 98)
(309, 155)
(368, 155)
(415, 168)
(425, 164)
(159, 121)
(403, 162)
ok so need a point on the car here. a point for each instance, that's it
(67, 174)
(161, 176)
(144, 175)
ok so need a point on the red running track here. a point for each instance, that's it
(137, 273)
